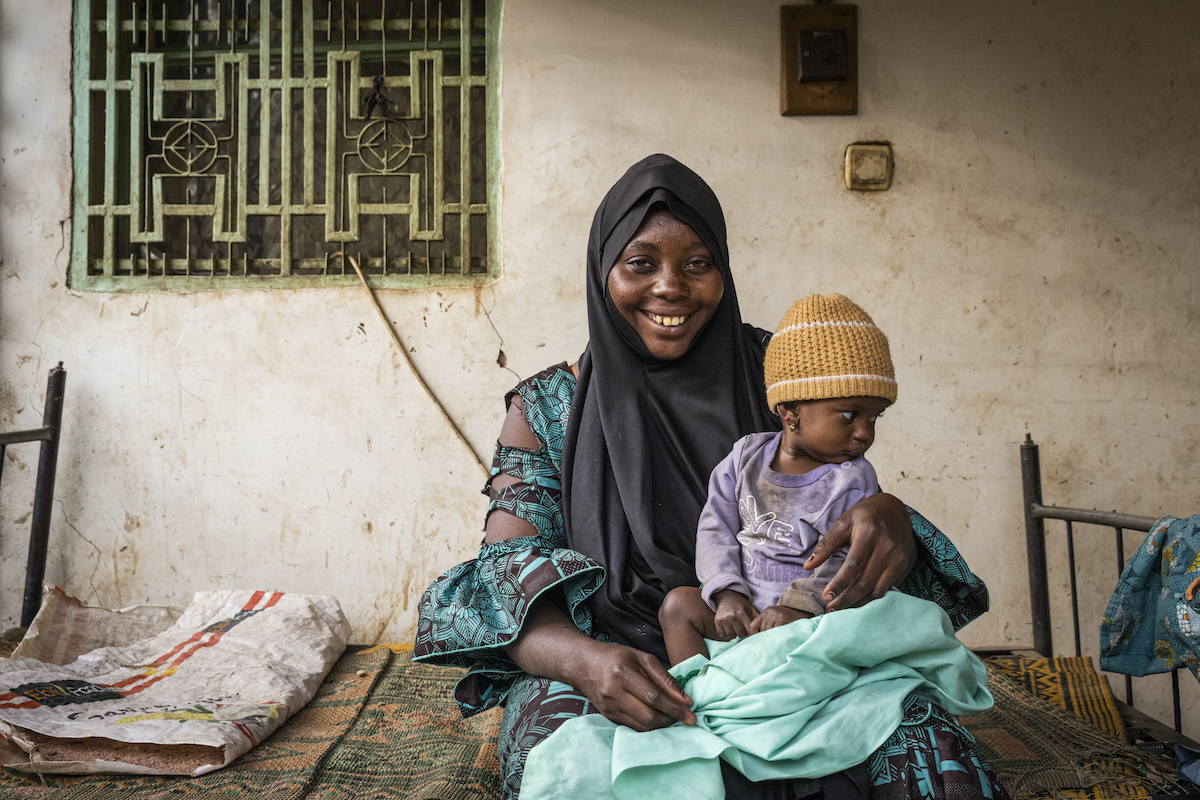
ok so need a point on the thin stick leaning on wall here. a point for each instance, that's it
(404, 352)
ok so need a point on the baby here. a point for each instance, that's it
(829, 376)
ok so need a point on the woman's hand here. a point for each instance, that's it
(626, 685)
(631, 688)
(735, 613)
(882, 551)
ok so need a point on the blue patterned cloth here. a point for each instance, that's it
(1150, 626)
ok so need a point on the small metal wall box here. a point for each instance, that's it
(869, 166)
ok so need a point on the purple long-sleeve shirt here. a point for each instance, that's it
(759, 526)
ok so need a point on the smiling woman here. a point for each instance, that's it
(596, 488)
(665, 284)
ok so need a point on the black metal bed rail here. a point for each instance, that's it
(43, 497)
(1035, 543)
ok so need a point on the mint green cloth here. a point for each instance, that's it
(803, 700)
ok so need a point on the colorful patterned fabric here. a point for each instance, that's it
(479, 607)
(536, 708)
(469, 613)
(537, 496)
(942, 575)
(931, 756)
(1072, 684)
(1150, 625)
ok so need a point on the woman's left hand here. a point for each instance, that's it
(882, 551)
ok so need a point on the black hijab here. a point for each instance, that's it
(645, 433)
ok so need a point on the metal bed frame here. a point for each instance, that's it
(1039, 591)
(43, 498)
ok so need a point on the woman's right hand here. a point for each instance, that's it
(631, 687)
(626, 685)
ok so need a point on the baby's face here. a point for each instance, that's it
(837, 430)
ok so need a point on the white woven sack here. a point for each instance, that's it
(189, 700)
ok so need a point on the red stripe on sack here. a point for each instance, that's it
(195, 642)
(158, 662)
(179, 659)
(249, 606)
(153, 679)
(124, 687)
(246, 732)
(131, 679)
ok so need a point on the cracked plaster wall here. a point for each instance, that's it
(1035, 265)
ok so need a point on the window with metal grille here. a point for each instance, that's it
(257, 143)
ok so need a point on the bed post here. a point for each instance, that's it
(39, 534)
(1035, 547)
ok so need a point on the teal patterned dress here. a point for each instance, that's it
(471, 612)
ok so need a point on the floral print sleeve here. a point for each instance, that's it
(535, 493)
(471, 612)
(941, 575)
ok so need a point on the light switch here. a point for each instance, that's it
(824, 55)
(869, 166)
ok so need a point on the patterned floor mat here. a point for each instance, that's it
(1039, 748)
(379, 727)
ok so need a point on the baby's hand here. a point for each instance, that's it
(775, 616)
(734, 614)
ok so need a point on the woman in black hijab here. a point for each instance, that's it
(599, 477)
(646, 431)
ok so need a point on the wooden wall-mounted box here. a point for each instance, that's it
(819, 59)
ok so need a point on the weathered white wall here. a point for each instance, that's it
(1035, 265)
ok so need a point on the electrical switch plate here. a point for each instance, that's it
(824, 55)
(819, 59)
(869, 166)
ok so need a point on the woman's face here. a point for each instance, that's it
(665, 284)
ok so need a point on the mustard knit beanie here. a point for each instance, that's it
(825, 347)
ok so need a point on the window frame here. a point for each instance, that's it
(339, 272)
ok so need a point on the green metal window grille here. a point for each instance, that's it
(258, 143)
